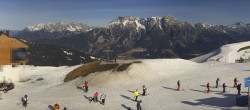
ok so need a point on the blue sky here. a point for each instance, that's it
(17, 14)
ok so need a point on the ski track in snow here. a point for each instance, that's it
(159, 75)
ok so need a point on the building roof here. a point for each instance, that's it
(12, 41)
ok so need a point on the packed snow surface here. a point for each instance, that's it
(160, 76)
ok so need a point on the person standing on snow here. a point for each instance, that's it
(95, 98)
(178, 84)
(25, 101)
(102, 98)
(217, 82)
(136, 94)
(138, 105)
(239, 88)
(235, 82)
(86, 86)
(208, 88)
(224, 87)
(144, 90)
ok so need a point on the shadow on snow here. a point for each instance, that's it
(216, 102)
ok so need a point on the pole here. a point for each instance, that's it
(248, 98)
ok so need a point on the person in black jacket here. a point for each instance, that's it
(239, 88)
(138, 105)
(25, 100)
(178, 84)
(144, 90)
(217, 82)
(224, 87)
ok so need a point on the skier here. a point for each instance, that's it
(208, 88)
(86, 86)
(25, 100)
(235, 82)
(217, 82)
(103, 97)
(138, 105)
(178, 84)
(144, 90)
(136, 94)
(239, 88)
(56, 106)
(224, 87)
(95, 97)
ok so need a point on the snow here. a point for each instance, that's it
(59, 27)
(207, 25)
(82, 57)
(139, 25)
(159, 76)
(227, 53)
(124, 21)
(67, 53)
(92, 57)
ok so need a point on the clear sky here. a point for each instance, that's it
(17, 14)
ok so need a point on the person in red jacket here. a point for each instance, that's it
(95, 97)
(235, 82)
(86, 86)
(208, 88)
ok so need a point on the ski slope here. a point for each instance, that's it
(159, 75)
(227, 53)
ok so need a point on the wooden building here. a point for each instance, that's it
(12, 51)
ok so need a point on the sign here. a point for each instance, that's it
(247, 82)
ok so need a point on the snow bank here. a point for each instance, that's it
(227, 53)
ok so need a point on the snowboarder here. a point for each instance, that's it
(217, 82)
(239, 88)
(235, 82)
(178, 84)
(136, 94)
(138, 105)
(102, 98)
(56, 106)
(25, 100)
(86, 86)
(224, 87)
(144, 90)
(208, 88)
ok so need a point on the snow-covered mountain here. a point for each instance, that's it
(160, 37)
(59, 27)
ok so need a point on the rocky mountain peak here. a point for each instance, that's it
(59, 27)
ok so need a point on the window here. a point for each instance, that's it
(19, 54)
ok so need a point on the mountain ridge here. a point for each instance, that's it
(153, 37)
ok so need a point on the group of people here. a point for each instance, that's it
(238, 86)
(95, 97)
(224, 86)
(136, 94)
(24, 101)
